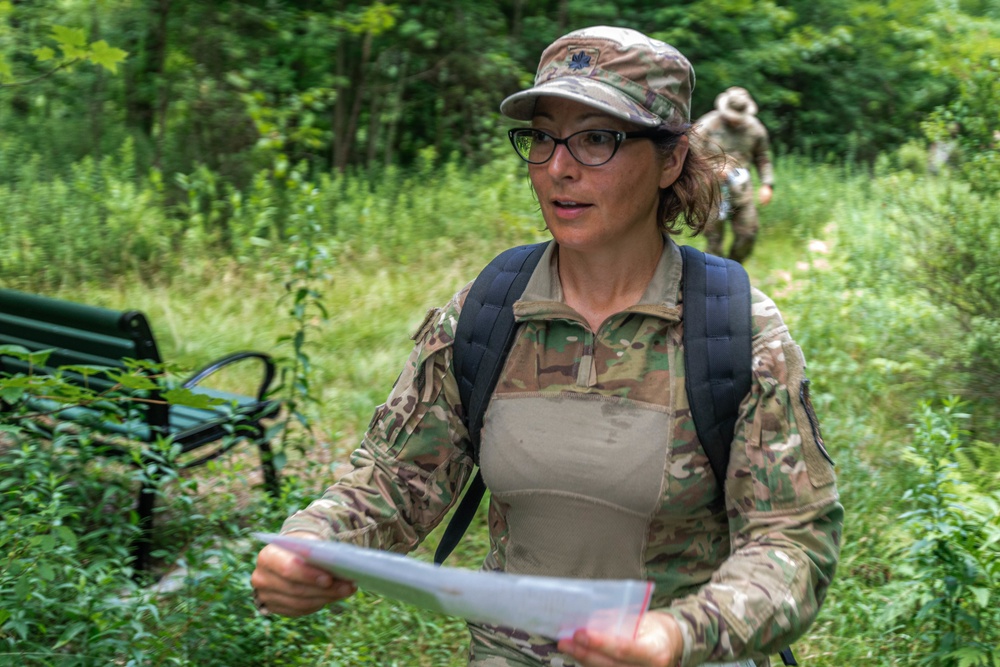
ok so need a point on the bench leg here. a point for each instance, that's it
(267, 466)
(143, 545)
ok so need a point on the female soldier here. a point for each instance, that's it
(589, 450)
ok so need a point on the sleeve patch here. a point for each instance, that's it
(819, 464)
(425, 324)
(806, 401)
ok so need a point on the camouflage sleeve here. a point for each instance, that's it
(412, 460)
(762, 157)
(785, 518)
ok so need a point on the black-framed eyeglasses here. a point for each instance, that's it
(591, 148)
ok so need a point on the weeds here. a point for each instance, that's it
(947, 598)
(353, 261)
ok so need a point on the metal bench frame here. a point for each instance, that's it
(79, 334)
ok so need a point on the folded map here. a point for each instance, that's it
(548, 606)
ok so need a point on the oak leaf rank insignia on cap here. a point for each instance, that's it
(579, 60)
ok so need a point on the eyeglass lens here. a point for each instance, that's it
(589, 147)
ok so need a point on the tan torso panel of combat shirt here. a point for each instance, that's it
(581, 449)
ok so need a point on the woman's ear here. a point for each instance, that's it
(673, 165)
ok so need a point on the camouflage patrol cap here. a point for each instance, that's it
(617, 70)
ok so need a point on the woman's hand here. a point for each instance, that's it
(285, 584)
(657, 644)
(764, 195)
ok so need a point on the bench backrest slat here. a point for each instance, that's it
(81, 334)
(71, 346)
(78, 334)
(58, 311)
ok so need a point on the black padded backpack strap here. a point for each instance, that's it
(717, 349)
(483, 337)
(486, 329)
(718, 356)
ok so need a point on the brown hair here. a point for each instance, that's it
(694, 197)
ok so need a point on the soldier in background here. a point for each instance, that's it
(943, 152)
(733, 129)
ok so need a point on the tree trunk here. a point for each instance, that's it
(396, 111)
(347, 142)
(162, 87)
(95, 107)
(374, 123)
(142, 85)
(515, 22)
(339, 119)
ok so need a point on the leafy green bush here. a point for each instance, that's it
(913, 156)
(66, 546)
(947, 236)
(104, 221)
(97, 222)
(67, 596)
(947, 596)
(972, 121)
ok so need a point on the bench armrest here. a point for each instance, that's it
(265, 359)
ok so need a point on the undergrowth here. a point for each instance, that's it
(333, 276)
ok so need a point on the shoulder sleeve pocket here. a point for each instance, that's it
(819, 464)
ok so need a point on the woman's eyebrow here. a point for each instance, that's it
(597, 115)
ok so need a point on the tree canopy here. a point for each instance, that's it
(234, 85)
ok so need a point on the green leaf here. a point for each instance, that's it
(107, 56)
(280, 460)
(11, 394)
(46, 572)
(133, 381)
(69, 37)
(183, 396)
(24, 354)
(968, 656)
(44, 54)
(69, 633)
(66, 535)
(982, 596)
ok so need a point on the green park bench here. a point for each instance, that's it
(89, 339)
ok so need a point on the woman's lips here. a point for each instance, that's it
(568, 208)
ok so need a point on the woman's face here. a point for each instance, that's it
(599, 208)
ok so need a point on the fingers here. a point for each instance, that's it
(289, 604)
(658, 644)
(597, 650)
(285, 584)
(277, 565)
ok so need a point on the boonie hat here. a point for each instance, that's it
(617, 70)
(735, 104)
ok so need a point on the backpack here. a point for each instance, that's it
(717, 357)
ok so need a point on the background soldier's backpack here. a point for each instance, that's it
(717, 357)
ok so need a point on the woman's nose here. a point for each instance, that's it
(562, 161)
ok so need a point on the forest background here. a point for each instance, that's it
(307, 178)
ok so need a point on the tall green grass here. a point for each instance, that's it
(212, 268)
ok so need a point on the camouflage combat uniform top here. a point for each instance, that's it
(595, 470)
(747, 144)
